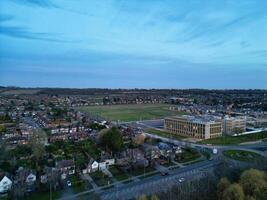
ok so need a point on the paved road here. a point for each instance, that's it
(155, 184)
(151, 184)
(250, 147)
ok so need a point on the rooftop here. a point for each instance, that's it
(198, 118)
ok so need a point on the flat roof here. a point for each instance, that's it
(201, 119)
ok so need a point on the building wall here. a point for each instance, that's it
(234, 125)
(188, 128)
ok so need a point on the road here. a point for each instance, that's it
(151, 184)
(155, 183)
(220, 148)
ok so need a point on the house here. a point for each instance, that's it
(88, 167)
(66, 167)
(50, 175)
(27, 177)
(94, 166)
(5, 184)
(165, 149)
(102, 166)
(106, 163)
(152, 152)
(31, 178)
(132, 157)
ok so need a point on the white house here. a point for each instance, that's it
(91, 167)
(106, 163)
(110, 161)
(102, 166)
(5, 184)
(30, 179)
(95, 166)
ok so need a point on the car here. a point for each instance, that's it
(164, 173)
(210, 159)
(69, 183)
(180, 180)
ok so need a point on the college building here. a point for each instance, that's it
(201, 127)
(234, 125)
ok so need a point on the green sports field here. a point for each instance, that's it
(131, 112)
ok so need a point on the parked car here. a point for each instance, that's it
(69, 183)
(164, 173)
(180, 180)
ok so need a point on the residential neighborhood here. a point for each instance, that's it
(49, 147)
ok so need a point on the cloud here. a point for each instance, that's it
(4, 18)
(259, 53)
(244, 44)
(20, 32)
(39, 3)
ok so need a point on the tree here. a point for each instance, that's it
(112, 140)
(222, 186)
(139, 139)
(234, 192)
(36, 143)
(2, 129)
(249, 198)
(142, 197)
(253, 182)
(154, 197)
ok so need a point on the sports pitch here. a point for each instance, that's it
(132, 112)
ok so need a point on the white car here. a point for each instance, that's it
(180, 180)
(69, 183)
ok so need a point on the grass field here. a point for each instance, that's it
(100, 179)
(165, 134)
(118, 174)
(20, 91)
(231, 140)
(131, 112)
(187, 155)
(242, 155)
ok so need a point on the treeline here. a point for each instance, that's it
(252, 185)
(106, 91)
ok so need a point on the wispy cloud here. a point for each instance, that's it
(124, 34)
(4, 18)
(20, 32)
(40, 3)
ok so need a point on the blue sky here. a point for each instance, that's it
(133, 43)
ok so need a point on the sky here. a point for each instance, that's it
(218, 44)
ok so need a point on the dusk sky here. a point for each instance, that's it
(133, 43)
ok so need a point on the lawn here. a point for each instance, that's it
(141, 171)
(118, 174)
(131, 112)
(77, 184)
(168, 164)
(165, 134)
(100, 179)
(44, 195)
(242, 155)
(187, 155)
(233, 140)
